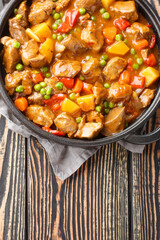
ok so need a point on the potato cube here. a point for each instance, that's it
(118, 48)
(151, 75)
(47, 49)
(107, 3)
(69, 106)
(42, 31)
(32, 35)
(50, 21)
(86, 102)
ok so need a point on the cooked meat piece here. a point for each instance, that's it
(114, 121)
(92, 36)
(66, 68)
(74, 44)
(114, 67)
(118, 91)
(23, 10)
(94, 116)
(40, 115)
(89, 130)
(66, 124)
(36, 98)
(59, 48)
(38, 61)
(145, 53)
(125, 9)
(51, 82)
(89, 5)
(91, 70)
(100, 94)
(61, 4)
(83, 19)
(146, 97)
(11, 54)
(13, 80)
(39, 12)
(137, 31)
(17, 31)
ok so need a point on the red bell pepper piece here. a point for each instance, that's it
(72, 17)
(55, 132)
(38, 77)
(151, 60)
(138, 82)
(55, 101)
(152, 42)
(122, 23)
(67, 82)
(63, 28)
(149, 25)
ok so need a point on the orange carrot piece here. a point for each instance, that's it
(141, 44)
(87, 88)
(77, 86)
(110, 32)
(125, 77)
(21, 103)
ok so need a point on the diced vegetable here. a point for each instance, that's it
(63, 28)
(72, 17)
(78, 86)
(110, 33)
(125, 77)
(122, 23)
(47, 49)
(55, 132)
(67, 82)
(21, 103)
(151, 60)
(141, 44)
(152, 42)
(32, 35)
(118, 48)
(38, 77)
(107, 3)
(42, 31)
(138, 82)
(87, 88)
(69, 106)
(151, 75)
(50, 21)
(55, 101)
(86, 102)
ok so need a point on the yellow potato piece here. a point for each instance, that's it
(151, 75)
(47, 49)
(107, 3)
(69, 106)
(42, 31)
(86, 102)
(118, 48)
(32, 35)
(50, 21)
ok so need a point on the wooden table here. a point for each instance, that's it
(114, 195)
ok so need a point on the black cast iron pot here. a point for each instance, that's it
(128, 134)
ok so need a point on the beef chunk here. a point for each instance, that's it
(89, 5)
(66, 124)
(92, 36)
(61, 4)
(39, 12)
(17, 31)
(40, 115)
(100, 94)
(137, 31)
(126, 9)
(83, 20)
(66, 68)
(94, 116)
(36, 98)
(118, 91)
(114, 67)
(74, 44)
(23, 10)
(13, 80)
(146, 97)
(145, 53)
(91, 70)
(11, 54)
(114, 121)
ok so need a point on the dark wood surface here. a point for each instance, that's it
(114, 195)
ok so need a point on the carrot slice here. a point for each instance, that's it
(87, 88)
(21, 103)
(78, 86)
(141, 44)
(125, 77)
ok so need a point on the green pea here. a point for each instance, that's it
(65, 35)
(125, 41)
(37, 87)
(48, 91)
(104, 57)
(19, 89)
(15, 11)
(59, 38)
(106, 15)
(55, 26)
(118, 37)
(56, 16)
(78, 120)
(72, 96)
(18, 16)
(133, 51)
(53, 12)
(61, 14)
(81, 77)
(126, 125)
(107, 85)
(136, 56)
(107, 110)
(48, 75)
(59, 85)
(140, 61)
(35, 72)
(43, 91)
(102, 10)
(59, 21)
(54, 0)
(54, 36)
(105, 104)
(47, 97)
(16, 44)
(103, 63)
(43, 84)
(110, 104)
(19, 67)
(98, 109)
(93, 18)
(82, 11)
(135, 66)
(44, 69)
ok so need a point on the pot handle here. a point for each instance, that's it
(144, 139)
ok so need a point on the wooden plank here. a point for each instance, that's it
(91, 204)
(12, 184)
